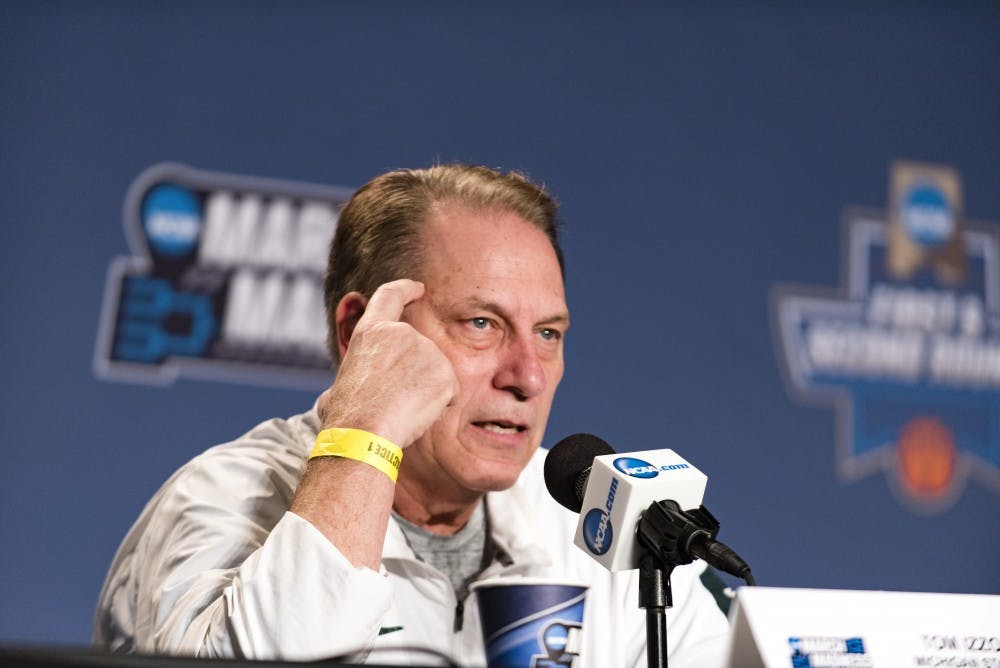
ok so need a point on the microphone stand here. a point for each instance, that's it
(655, 596)
(669, 537)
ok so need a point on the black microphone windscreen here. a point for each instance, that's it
(569, 459)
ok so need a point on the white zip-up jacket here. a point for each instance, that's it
(217, 566)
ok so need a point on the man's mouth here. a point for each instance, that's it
(501, 427)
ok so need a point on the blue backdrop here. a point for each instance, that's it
(702, 155)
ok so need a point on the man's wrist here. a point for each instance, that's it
(359, 445)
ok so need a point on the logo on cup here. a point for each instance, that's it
(561, 642)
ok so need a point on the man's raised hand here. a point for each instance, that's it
(393, 381)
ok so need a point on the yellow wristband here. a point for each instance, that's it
(359, 445)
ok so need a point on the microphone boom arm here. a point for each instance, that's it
(679, 537)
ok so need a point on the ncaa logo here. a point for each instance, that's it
(927, 216)
(637, 468)
(597, 531)
(171, 219)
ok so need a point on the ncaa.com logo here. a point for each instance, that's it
(639, 468)
(597, 530)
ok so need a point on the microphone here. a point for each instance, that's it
(568, 466)
(640, 502)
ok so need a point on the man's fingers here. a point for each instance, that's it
(387, 304)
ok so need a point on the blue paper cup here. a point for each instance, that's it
(531, 622)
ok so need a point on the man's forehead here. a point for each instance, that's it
(490, 258)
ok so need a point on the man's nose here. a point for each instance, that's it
(520, 371)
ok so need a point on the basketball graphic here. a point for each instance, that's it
(927, 454)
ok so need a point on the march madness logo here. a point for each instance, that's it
(908, 351)
(225, 280)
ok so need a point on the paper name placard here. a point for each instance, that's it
(826, 628)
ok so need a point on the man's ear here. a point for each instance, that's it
(350, 308)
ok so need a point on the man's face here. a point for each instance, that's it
(495, 305)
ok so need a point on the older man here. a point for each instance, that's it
(355, 529)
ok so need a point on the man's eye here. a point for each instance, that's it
(549, 334)
(480, 323)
